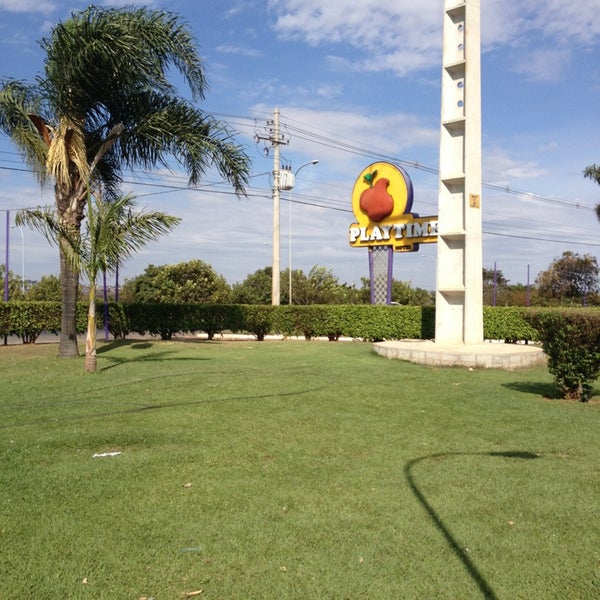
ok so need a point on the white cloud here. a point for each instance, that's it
(405, 36)
(27, 6)
(230, 49)
(408, 29)
(120, 3)
(369, 23)
(328, 92)
(391, 133)
(576, 21)
(501, 169)
(544, 65)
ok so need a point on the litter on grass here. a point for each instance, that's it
(105, 454)
(193, 549)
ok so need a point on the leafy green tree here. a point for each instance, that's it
(350, 294)
(518, 294)
(569, 278)
(114, 231)
(320, 286)
(186, 282)
(47, 288)
(256, 288)
(402, 293)
(495, 285)
(104, 104)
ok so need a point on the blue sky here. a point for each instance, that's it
(355, 82)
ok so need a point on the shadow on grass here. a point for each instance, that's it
(550, 391)
(473, 571)
(151, 407)
(134, 344)
(139, 345)
(544, 389)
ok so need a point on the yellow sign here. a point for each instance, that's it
(381, 201)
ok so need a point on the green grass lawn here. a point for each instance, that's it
(281, 470)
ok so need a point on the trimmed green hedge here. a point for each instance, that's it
(508, 323)
(28, 319)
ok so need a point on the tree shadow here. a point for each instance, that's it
(138, 345)
(474, 573)
(550, 391)
(164, 406)
(538, 388)
(113, 344)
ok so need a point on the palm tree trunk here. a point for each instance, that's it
(69, 282)
(90, 339)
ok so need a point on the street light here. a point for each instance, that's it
(6, 255)
(312, 162)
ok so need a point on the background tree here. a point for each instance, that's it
(15, 285)
(255, 289)
(104, 104)
(518, 294)
(495, 285)
(570, 278)
(114, 231)
(186, 282)
(47, 288)
(320, 286)
(402, 293)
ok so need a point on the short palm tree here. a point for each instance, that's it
(104, 104)
(593, 172)
(113, 232)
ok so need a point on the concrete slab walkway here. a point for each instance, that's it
(489, 355)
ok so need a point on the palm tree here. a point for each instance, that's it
(104, 104)
(593, 172)
(114, 231)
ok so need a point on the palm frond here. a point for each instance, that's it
(117, 230)
(45, 221)
(592, 172)
(169, 126)
(67, 150)
(20, 110)
(100, 53)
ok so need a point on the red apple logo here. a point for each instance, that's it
(375, 200)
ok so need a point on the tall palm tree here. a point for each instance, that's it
(593, 172)
(104, 104)
(113, 232)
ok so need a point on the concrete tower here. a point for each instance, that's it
(459, 307)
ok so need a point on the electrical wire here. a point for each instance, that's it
(325, 139)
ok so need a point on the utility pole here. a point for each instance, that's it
(276, 139)
(276, 285)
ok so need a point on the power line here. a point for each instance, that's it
(540, 239)
(340, 143)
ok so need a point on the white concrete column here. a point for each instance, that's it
(459, 288)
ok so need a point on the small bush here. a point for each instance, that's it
(118, 321)
(571, 340)
(253, 318)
